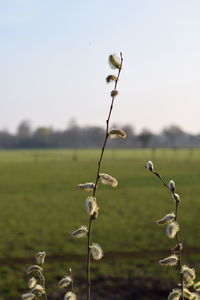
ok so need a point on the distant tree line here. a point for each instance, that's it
(92, 137)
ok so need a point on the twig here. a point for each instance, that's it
(97, 179)
(179, 245)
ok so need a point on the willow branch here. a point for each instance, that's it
(179, 245)
(97, 179)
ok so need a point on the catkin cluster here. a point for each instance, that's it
(36, 280)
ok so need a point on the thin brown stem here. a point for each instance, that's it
(160, 177)
(88, 257)
(43, 283)
(177, 235)
(97, 179)
(72, 282)
(179, 250)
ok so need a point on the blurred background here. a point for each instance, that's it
(54, 103)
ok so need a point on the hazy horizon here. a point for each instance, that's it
(53, 60)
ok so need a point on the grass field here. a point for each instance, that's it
(40, 206)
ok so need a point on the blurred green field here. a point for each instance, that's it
(40, 206)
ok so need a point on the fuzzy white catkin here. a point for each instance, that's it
(34, 268)
(88, 186)
(172, 229)
(70, 296)
(188, 273)
(176, 197)
(38, 290)
(174, 295)
(96, 251)
(32, 282)
(80, 232)
(65, 282)
(190, 295)
(117, 133)
(186, 293)
(166, 219)
(197, 286)
(149, 165)
(40, 257)
(194, 296)
(172, 186)
(28, 296)
(107, 179)
(114, 61)
(188, 283)
(91, 205)
(169, 261)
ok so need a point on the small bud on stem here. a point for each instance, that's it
(114, 93)
(40, 257)
(149, 166)
(114, 61)
(111, 78)
(172, 186)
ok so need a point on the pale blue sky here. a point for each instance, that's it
(53, 62)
